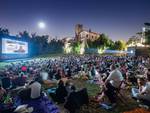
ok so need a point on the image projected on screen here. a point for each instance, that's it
(10, 46)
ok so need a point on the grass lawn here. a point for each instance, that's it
(3, 64)
(94, 89)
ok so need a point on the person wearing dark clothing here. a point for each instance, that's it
(110, 92)
(76, 99)
(60, 94)
(6, 82)
(57, 75)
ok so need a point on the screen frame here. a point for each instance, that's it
(22, 41)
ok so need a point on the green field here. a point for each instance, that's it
(93, 106)
(3, 64)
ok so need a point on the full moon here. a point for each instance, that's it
(41, 25)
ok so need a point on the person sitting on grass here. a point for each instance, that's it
(128, 80)
(111, 83)
(68, 86)
(136, 91)
(143, 93)
(2, 93)
(60, 94)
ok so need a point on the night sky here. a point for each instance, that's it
(120, 19)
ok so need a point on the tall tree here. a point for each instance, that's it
(120, 45)
(111, 44)
(147, 33)
(24, 35)
(147, 24)
(147, 37)
(4, 31)
(101, 42)
(76, 46)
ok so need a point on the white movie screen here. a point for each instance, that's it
(10, 46)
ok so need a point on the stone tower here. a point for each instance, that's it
(78, 30)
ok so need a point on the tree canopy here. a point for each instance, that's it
(147, 37)
(4, 31)
(41, 45)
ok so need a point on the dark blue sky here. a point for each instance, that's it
(119, 19)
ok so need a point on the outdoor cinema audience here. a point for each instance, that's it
(29, 82)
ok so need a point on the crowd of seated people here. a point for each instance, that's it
(109, 71)
(143, 90)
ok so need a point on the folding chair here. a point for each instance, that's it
(119, 95)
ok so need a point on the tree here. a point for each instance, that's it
(147, 24)
(147, 33)
(111, 44)
(56, 46)
(101, 42)
(4, 31)
(120, 45)
(24, 34)
(147, 37)
(76, 46)
(104, 40)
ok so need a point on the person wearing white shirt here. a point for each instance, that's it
(113, 82)
(44, 75)
(35, 90)
(115, 77)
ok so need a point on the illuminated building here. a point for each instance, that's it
(82, 34)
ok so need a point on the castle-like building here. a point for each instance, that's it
(82, 34)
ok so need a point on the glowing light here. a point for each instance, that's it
(67, 48)
(137, 44)
(131, 51)
(41, 25)
(144, 29)
(99, 51)
(82, 50)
